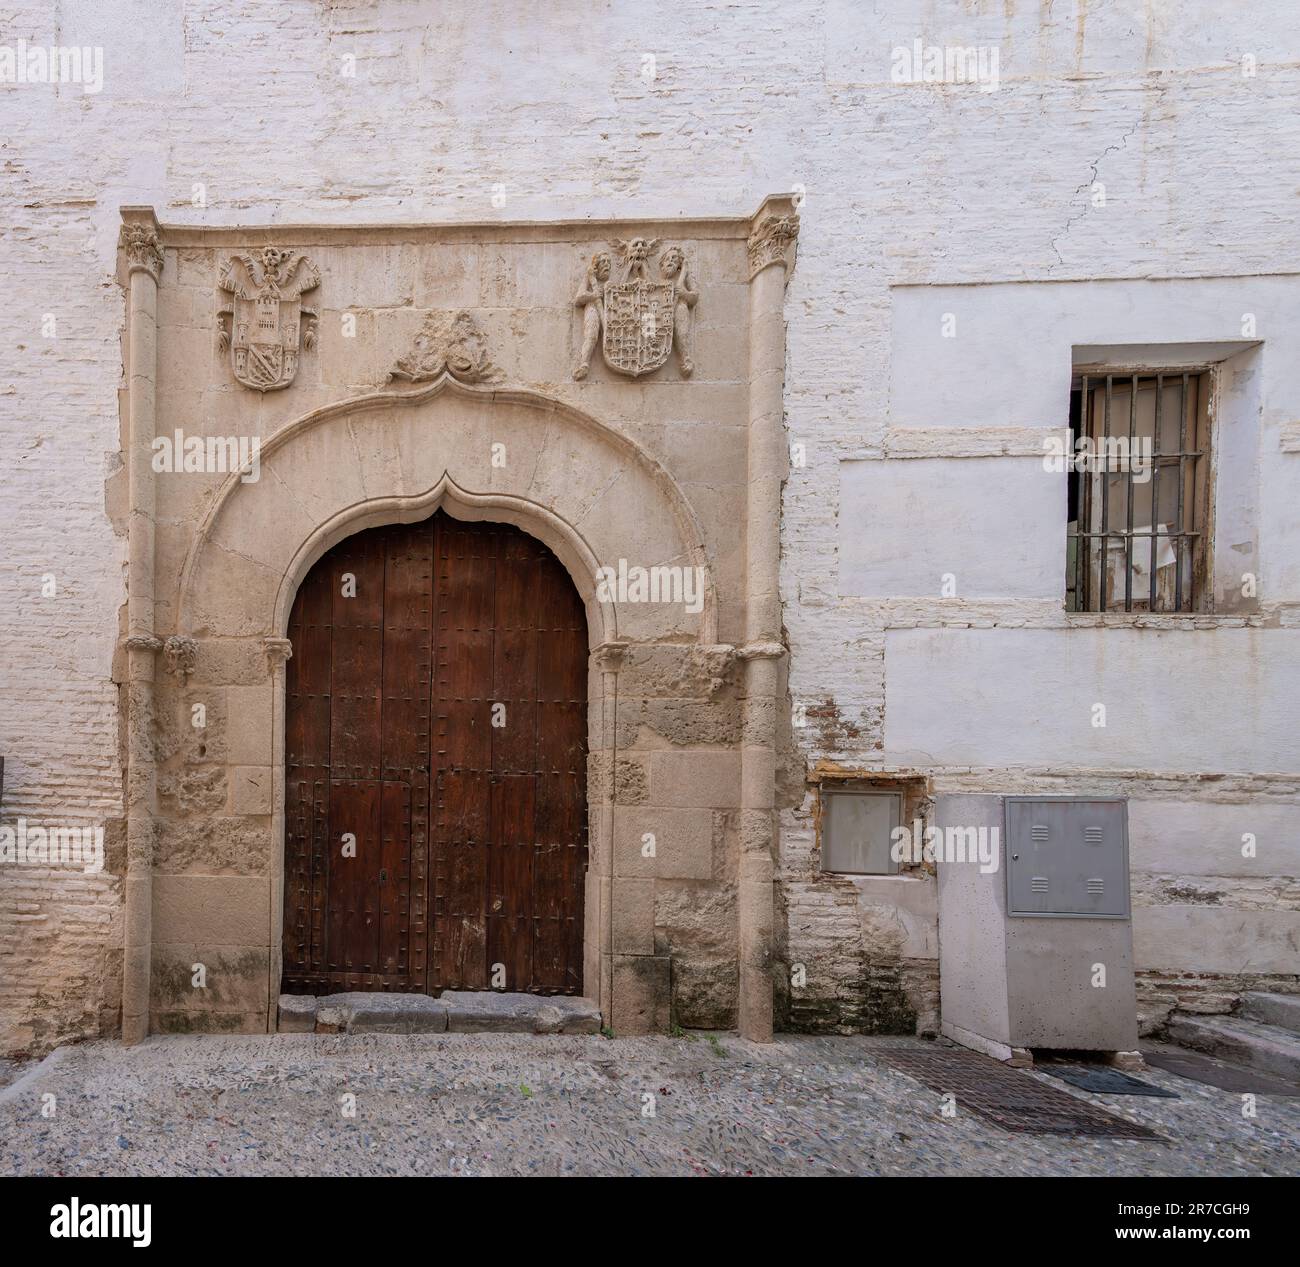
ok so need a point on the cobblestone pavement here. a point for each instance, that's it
(504, 1104)
(11, 1070)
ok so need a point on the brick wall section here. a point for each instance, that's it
(905, 183)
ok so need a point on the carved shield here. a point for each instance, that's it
(265, 316)
(265, 342)
(638, 325)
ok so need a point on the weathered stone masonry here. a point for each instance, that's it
(682, 720)
(916, 199)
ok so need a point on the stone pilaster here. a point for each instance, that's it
(278, 652)
(142, 263)
(771, 256)
(608, 660)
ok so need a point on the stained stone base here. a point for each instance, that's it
(366, 1013)
(459, 1011)
(297, 1014)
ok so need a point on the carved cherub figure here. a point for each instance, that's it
(672, 269)
(591, 299)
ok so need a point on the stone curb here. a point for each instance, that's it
(455, 1011)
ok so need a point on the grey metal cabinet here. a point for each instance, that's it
(1066, 857)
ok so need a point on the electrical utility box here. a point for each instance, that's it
(1039, 951)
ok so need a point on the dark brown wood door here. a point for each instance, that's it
(435, 765)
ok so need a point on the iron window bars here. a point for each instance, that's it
(1139, 492)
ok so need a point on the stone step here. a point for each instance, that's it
(1282, 1010)
(454, 1011)
(1244, 1042)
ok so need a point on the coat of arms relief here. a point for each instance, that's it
(637, 317)
(263, 319)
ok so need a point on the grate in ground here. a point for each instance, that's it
(1006, 1097)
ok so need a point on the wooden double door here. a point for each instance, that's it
(435, 765)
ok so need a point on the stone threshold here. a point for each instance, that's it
(454, 1011)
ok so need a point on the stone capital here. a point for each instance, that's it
(278, 651)
(138, 241)
(773, 242)
(608, 657)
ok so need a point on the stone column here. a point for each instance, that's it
(608, 658)
(143, 259)
(771, 256)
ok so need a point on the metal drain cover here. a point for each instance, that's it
(1006, 1097)
(1103, 1081)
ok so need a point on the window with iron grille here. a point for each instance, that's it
(1139, 492)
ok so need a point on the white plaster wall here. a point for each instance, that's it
(1185, 839)
(912, 528)
(1215, 885)
(222, 111)
(1008, 362)
(1203, 701)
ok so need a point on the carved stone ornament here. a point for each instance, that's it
(637, 317)
(278, 651)
(608, 657)
(139, 242)
(181, 653)
(144, 642)
(772, 242)
(761, 651)
(262, 315)
(448, 343)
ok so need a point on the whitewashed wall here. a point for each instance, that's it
(625, 109)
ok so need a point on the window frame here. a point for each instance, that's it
(1202, 378)
(828, 794)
